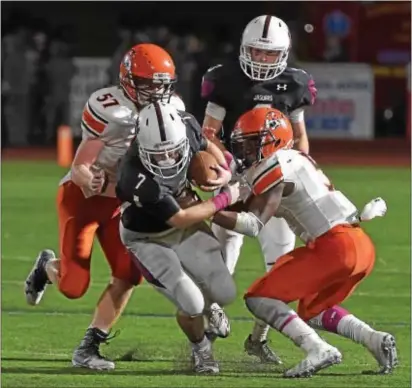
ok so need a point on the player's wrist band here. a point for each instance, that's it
(221, 201)
(228, 156)
(229, 159)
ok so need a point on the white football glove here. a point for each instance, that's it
(375, 208)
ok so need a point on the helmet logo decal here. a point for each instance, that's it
(127, 61)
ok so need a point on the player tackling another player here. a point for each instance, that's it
(87, 206)
(338, 254)
(161, 220)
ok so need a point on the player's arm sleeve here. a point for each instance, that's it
(212, 92)
(308, 94)
(93, 123)
(268, 176)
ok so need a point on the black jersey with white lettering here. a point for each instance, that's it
(148, 201)
(227, 86)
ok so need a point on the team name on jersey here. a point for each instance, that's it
(263, 98)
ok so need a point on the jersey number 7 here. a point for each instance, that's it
(140, 179)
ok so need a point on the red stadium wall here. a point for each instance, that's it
(384, 152)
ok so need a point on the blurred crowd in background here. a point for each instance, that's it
(37, 61)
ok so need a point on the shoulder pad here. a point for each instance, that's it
(177, 102)
(209, 80)
(214, 70)
(111, 105)
(306, 84)
(265, 175)
(298, 73)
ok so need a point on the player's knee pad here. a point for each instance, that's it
(222, 289)
(269, 310)
(188, 297)
(231, 243)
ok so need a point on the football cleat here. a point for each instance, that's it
(319, 358)
(261, 350)
(87, 355)
(383, 348)
(219, 324)
(203, 360)
(37, 280)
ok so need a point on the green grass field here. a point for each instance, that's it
(37, 343)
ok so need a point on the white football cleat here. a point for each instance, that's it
(218, 322)
(320, 357)
(383, 348)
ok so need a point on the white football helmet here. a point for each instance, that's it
(265, 33)
(162, 140)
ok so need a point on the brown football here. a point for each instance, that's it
(200, 168)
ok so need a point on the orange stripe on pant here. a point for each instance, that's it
(80, 220)
(322, 275)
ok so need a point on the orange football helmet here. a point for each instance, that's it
(147, 73)
(259, 133)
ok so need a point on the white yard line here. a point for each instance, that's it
(386, 270)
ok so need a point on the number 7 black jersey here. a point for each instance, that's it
(227, 86)
(149, 201)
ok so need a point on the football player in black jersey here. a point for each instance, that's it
(173, 247)
(261, 77)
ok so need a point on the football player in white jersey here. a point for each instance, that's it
(338, 254)
(87, 206)
(260, 76)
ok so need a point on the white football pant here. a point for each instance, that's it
(186, 266)
(275, 239)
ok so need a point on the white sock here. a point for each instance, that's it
(338, 320)
(282, 318)
(300, 333)
(204, 343)
(260, 331)
(94, 327)
(354, 329)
